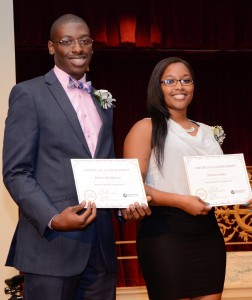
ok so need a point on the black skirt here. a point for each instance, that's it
(181, 256)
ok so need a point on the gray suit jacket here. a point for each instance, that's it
(42, 133)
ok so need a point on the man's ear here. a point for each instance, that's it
(50, 47)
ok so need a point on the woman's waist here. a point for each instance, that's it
(174, 220)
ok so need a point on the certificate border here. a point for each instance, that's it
(142, 197)
(239, 157)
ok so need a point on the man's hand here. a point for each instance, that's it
(135, 212)
(69, 219)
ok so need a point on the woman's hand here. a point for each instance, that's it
(248, 204)
(194, 206)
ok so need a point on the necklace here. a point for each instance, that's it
(192, 129)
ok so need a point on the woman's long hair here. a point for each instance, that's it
(157, 108)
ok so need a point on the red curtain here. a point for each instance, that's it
(195, 24)
(131, 36)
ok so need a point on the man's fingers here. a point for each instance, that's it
(89, 215)
(146, 210)
(135, 211)
(124, 213)
(141, 210)
(79, 207)
(127, 213)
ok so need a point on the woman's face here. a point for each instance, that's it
(177, 95)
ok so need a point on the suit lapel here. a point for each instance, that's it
(103, 117)
(66, 106)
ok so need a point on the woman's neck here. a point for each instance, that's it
(179, 117)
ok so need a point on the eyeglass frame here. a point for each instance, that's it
(176, 82)
(73, 42)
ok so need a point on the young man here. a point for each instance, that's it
(65, 251)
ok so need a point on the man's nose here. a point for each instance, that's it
(76, 46)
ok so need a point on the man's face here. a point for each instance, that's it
(72, 59)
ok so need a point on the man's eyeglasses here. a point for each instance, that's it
(70, 42)
(173, 82)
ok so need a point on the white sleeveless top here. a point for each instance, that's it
(178, 144)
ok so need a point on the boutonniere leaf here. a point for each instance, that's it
(105, 98)
(219, 134)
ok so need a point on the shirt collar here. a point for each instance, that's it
(63, 77)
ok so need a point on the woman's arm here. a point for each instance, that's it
(138, 145)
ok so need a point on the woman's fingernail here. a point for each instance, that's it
(245, 204)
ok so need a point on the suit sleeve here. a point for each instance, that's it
(20, 147)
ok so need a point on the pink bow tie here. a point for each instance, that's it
(86, 86)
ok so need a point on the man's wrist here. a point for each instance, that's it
(50, 223)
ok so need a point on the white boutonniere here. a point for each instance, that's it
(218, 133)
(105, 98)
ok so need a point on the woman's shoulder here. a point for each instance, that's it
(143, 124)
(138, 140)
(210, 128)
(203, 125)
(141, 128)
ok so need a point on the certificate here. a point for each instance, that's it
(218, 179)
(110, 183)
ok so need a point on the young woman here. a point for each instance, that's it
(180, 247)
